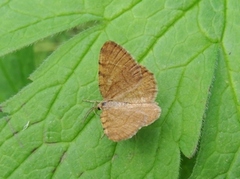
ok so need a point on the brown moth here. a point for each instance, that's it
(128, 90)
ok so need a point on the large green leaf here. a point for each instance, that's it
(192, 49)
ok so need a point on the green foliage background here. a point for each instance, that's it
(192, 47)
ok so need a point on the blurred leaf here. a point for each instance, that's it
(15, 68)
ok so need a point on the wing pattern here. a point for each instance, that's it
(128, 91)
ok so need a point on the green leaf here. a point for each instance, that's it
(24, 22)
(219, 150)
(14, 71)
(192, 49)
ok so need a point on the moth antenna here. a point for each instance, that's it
(91, 109)
(91, 101)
